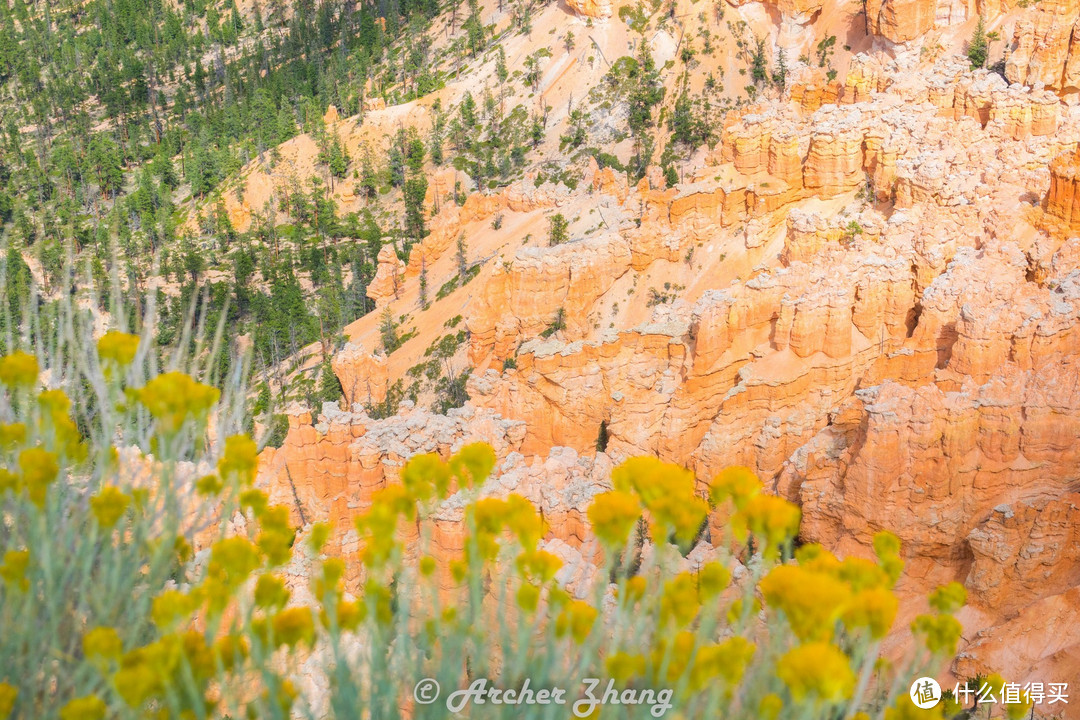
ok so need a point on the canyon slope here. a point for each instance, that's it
(867, 291)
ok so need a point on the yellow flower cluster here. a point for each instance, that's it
(612, 516)
(270, 592)
(102, 642)
(174, 398)
(19, 369)
(772, 520)
(667, 492)
(90, 707)
(12, 435)
(941, 632)
(8, 694)
(56, 423)
(822, 590)
(378, 526)
(818, 671)
(623, 667)
(812, 602)
(40, 469)
(117, 349)
(736, 483)
(240, 460)
(108, 506)
(577, 618)
(13, 570)
(514, 513)
(151, 672)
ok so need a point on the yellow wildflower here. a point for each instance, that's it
(771, 519)
(90, 707)
(635, 589)
(8, 480)
(1018, 710)
(13, 571)
(427, 566)
(528, 596)
(940, 632)
(380, 597)
(8, 694)
(320, 533)
(174, 397)
(459, 570)
(350, 614)
(577, 619)
(12, 435)
(862, 574)
(770, 706)
(328, 581)
(812, 556)
(276, 538)
(738, 483)
(905, 709)
(236, 557)
(182, 548)
(886, 543)
(255, 500)
(680, 600)
(725, 661)
(426, 476)
(208, 485)
(735, 612)
(170, 606)
(55, 405)
(874, 609)
(108, 506)
(887, 548)
(118, 348)
(623, 667)
(39, 470)
(229, 650)
(539, 565)
(817, 670)
(524, 521)
(472, 464)
(488, 515)
(667, 491)
(19, 369)
(240, 459)
(948, 598)
(676, 655)
(613, 515)
(713, 577)
(293, 626)
(811, 601)
(103, 642)
(270, 592)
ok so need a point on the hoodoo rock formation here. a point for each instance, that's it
(1063, 200)
(868, 292)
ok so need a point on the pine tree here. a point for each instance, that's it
(460, 257)
(557, 229)
(424, 304)
(979, 47)
(388, 332)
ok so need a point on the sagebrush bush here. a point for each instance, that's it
(144, 575)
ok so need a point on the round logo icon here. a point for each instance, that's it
(925, 693)
(426, 691)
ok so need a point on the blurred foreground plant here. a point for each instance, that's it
(143, 575)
